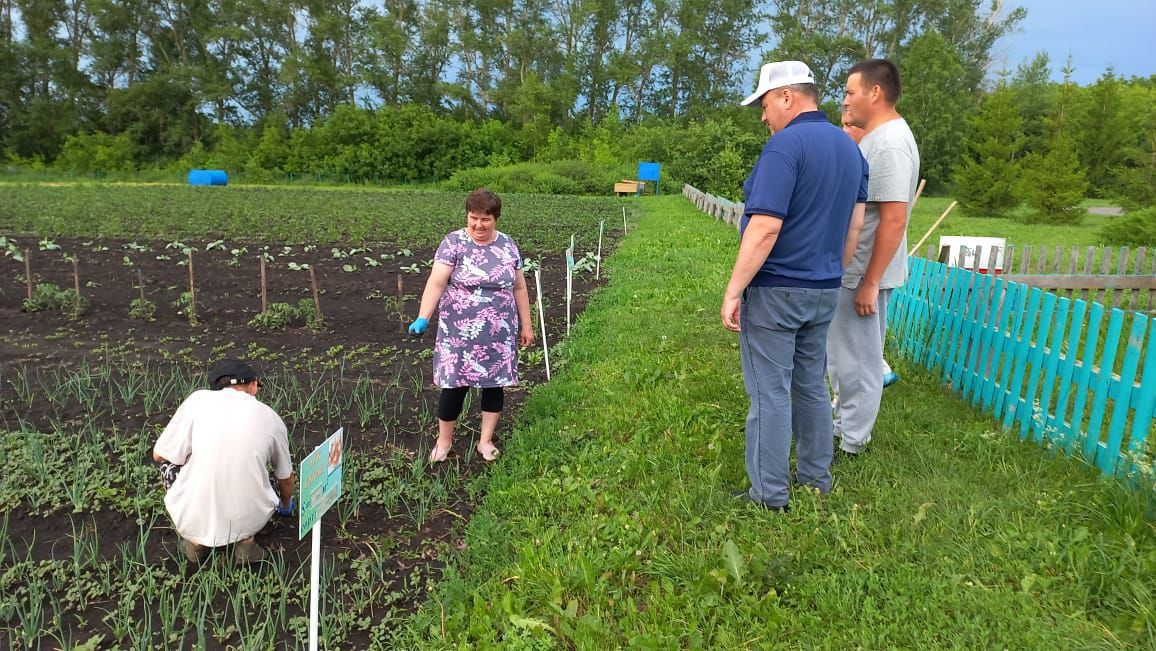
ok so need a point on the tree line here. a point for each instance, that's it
(419, 90)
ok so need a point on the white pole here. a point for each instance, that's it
(569, 281)
(314, 585)
(624, 220)
(598, 256)
(542, 321)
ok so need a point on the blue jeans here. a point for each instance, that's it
(784, 352)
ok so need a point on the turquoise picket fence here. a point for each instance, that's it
(1046, 366)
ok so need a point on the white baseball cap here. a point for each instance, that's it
(779, 74)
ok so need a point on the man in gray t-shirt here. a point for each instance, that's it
(879, 261)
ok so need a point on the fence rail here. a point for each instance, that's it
(717, 207)
(1045, 365)
(1121, 277)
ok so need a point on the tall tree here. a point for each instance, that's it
(1035, 98)
(935, 104)
(987, 179)
(1106, 134)
(1054, 183)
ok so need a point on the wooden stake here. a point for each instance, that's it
(918, 192)
(316, 300)
(264, 290)
(192, 291)
(933, 227)
(400, 301)
(140, 286)
(28, 271)
(76, 286)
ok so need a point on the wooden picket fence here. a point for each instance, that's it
(1119, 277)
(1045, 365)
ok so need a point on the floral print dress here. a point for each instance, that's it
(477, 338)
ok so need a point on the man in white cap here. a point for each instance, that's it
(214, 458)
(879, 262)
(801, 198)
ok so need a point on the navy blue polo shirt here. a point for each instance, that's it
(810, 175)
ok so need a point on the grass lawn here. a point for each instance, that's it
(608, 522)
(1017, 233)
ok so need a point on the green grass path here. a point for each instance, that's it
(608, 522)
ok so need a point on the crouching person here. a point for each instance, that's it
(214, 458)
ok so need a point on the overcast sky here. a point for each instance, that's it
(1098, 33)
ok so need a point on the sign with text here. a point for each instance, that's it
(320, 481)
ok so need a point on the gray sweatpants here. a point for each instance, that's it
(855, 367)
(784, 350)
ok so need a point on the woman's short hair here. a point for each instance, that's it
(484, 202)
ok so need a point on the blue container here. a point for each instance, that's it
(208, 177)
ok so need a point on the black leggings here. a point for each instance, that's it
(451, 400)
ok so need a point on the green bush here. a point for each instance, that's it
(96, 152)
(1133, 229)
(560, 177)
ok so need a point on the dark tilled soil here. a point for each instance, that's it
(359, 309)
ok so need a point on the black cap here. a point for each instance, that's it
(237, 371)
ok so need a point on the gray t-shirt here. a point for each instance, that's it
(893, 161)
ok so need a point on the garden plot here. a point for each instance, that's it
(88, 380)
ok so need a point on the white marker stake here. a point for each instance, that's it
(598, 256)
(542, 321)
(314, 585)
(569, 281)
(624, 220)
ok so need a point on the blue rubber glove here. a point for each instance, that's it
(418, 326)
(285, 512)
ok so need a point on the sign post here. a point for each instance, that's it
(320, 489)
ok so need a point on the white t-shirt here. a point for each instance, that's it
(893, 175)
(225, 440)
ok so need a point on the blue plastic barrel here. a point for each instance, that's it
(208, 177)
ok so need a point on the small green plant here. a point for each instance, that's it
(283, 315)
(142, 309)
(586, 263)
(184, 305)
(51, 297)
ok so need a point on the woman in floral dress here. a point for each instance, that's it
(483, 309)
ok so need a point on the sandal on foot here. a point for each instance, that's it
(437, 455)
(488, 451)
